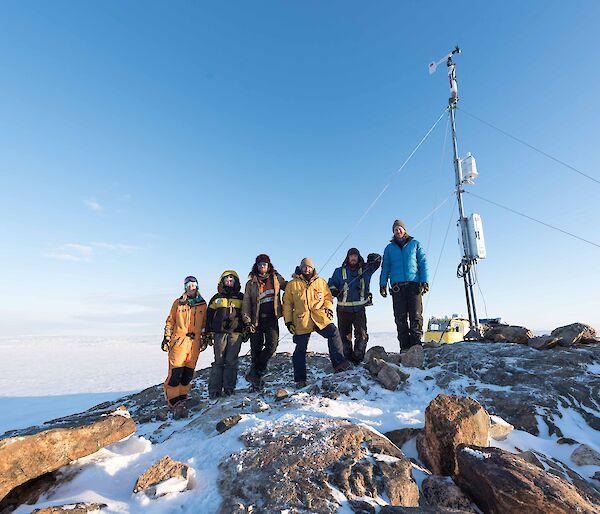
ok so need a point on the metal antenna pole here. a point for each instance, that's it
(466, 262)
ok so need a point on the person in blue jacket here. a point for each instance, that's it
(350, 285)
(405, 268)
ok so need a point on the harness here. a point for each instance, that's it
(344, 301)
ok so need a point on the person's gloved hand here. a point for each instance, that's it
(383, 291)
(291, 327)
(423, 288)
(245, 334)
(329, 313)
(373, 259)
(208, 338)
(251, 328)
(164, 346)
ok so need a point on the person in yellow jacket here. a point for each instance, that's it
(307, 308)
(184, 340)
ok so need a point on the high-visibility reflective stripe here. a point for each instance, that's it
(344, 302)
(235, 303)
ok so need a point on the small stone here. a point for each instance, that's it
(260, 406)
(400, 436)
(332, 395)
(499, 429)
(153, 482)
(566, 440)
(227, 423)
(281, 394)
(596, 476)
(389, 376)
(584, 455)
(428, 377)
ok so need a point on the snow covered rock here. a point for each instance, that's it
(420, 510)
(72, 508)
(499, 333)
(501, 482)
(450, 421)
(163, 477)
(304, 466)
(25, 458)
(499, 429)
(441, 491)
(584, 455)
(574, 333)
(544, 342)
(414, 357)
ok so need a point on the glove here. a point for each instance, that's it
(329, 313)
(423, 288)
(208, 338)
(374, 259)
(251, 328)
(291, 327)
(164, 346)
(383, 291)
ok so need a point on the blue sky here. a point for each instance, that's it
(141, 142)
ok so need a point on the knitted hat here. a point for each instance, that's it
(263, 257)
(307, 261)
(398, 223)
(353, 251)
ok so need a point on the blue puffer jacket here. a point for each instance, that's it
(407, 264)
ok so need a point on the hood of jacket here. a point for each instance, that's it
(236, 283)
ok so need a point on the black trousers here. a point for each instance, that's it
(408, 313)
(263, 343)
(346, 321)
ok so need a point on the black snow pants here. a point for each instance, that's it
(408, 313)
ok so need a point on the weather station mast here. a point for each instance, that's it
(470, 228)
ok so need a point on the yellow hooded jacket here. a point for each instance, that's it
(304, 303)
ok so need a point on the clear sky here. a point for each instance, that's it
(141, 142)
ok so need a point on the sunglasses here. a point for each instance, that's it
(261, 264)
(191, 285)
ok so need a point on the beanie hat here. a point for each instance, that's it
(353, 251)
(398, 223)
(189, 279)
(263, 257)
(307, 261)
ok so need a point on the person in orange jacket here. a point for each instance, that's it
(183, 340)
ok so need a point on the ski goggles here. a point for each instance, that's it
(191, 285)
(260, 264)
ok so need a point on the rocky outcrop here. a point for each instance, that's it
(450, 421)
(165, 476)
(25, 458)
(524, 385)
(442, 492)
(500, 482)
(72, 508)
(574, 333)
(500, 333)
(292, 466)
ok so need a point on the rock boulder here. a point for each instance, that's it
(450, 421)
(501, 482)
(25, 458)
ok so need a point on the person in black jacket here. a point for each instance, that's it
(224, 322)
